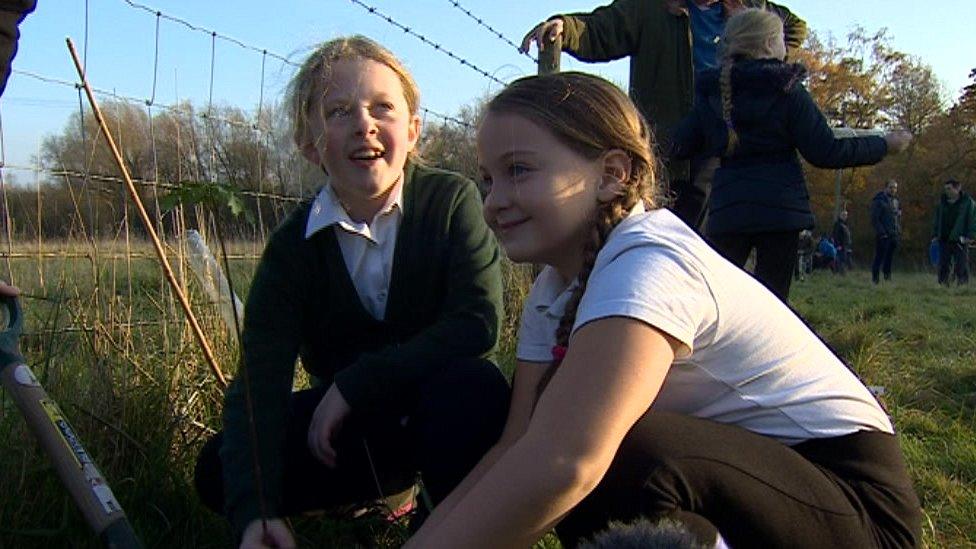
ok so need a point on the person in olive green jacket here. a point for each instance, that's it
(954, 228)
(668, 42)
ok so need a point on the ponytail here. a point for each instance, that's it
(725, 85)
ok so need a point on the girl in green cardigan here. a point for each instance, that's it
(388, 287)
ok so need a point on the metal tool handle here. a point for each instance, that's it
(59, 440)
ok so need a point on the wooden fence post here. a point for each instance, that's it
(549, 57)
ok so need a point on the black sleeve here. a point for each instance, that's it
(816, 142)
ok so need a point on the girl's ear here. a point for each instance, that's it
(413, 131)
(308, 146)
(311, 153)
(616, 173)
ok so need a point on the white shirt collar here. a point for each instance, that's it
(327, 211)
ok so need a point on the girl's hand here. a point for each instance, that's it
(7, 290)
(326, 422)
(544, 34)
(897, 141)
(278, 535)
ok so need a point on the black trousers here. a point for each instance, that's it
(844, 261)
(690, 196)
(458, 415)
(953, 253)
(776, 257)
(884, 252)
(848, 491)
(689, 201)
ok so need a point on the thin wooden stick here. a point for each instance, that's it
(147, 223)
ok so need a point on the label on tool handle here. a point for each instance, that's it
(95, 479)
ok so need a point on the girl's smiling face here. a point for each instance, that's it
(361, 130)
(542, 194)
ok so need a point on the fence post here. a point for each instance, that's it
(549, 57)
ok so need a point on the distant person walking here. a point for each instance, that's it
(841, 235)
(886, 220)
(954, 228)
(670, 43)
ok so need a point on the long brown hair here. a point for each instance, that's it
(590, 116)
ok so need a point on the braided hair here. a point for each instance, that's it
(590, 116)
(747, 35)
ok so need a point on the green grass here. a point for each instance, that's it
(143, 399)
(918, 340)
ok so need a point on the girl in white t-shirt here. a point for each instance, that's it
(655, 379)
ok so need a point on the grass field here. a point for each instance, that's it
(114, 351)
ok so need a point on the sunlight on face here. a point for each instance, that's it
(361, 130)
(542, 194)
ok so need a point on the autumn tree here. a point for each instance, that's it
(866, 83)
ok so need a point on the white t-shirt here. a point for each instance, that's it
(747, 359)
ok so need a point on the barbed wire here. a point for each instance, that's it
(143, 182)
(447, 118)
(210, 32)
(499, 35)
(373, 11)
(265, 52)
(204, 115)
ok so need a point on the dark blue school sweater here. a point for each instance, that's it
(761, 187)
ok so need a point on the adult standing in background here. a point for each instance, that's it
(841, 235)
(886, 220)
(668, 42)
(954, 228)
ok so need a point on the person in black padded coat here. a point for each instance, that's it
(754, 112)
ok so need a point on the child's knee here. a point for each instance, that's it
(208, 478)
(473, 384)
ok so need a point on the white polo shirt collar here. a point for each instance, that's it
(327, 210)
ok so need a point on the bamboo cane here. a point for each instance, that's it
(147, 223)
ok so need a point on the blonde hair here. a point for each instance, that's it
(747, 35)
(590, 116)
(313, 76)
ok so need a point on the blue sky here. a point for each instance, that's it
(121, 49)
